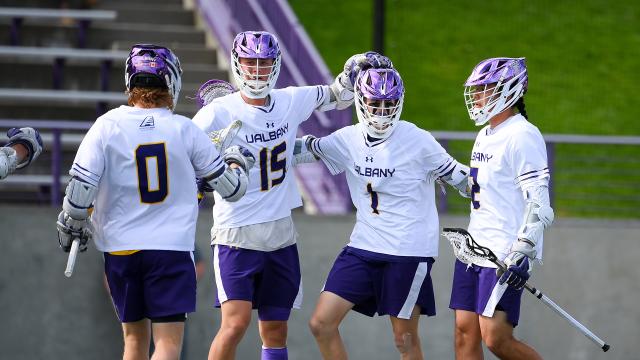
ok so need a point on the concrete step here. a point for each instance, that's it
(159, 14)
(103, 35)
(188, 53)
(78, 76)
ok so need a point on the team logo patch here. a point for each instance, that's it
(148, 123)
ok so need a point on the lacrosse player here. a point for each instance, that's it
(138, 165)
(391, 168)
(24, 146)
(255, 256)
(509, 210)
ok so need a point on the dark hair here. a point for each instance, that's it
(521, 109)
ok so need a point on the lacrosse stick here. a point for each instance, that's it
(71, 260)
(213, 89)
(467, 250)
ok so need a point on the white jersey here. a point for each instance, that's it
(391, 185)
(144, 163)
(503, 160)
(269, 132)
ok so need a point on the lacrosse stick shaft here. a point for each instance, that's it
(71, 260)
(560, 311)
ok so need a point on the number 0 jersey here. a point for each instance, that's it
(144, 163)
(269, 132)
(391, 185)
(503, 160)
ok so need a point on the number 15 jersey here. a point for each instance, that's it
(269, 132)
(391, 185)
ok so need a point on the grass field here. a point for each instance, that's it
(583, 71)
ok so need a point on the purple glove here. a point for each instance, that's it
(517, 274)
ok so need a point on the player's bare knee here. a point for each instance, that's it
(404, 342)
(496, 343)
(320, 327)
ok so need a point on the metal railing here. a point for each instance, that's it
(590, 175)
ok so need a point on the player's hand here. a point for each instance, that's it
(240, 156)
(29, 138)
(203, 188)
(70, 229)
(8, 161)
(360, 62)
(518, 270)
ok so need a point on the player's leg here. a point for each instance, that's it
(235, 273)
(170, 293)
(404, 292)
(327, 316)
(167, 337)
(236, 317)
(127, 293)
(467, 336)
(406, 336)
(280, 290)
(497, 334)
(464, 299)
(137, 336)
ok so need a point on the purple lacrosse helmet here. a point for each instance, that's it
(153, 66)
(255, 45)
(499, 83)
(379, 99)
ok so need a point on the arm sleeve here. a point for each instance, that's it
(208, 118)
(89, 162)
(331, 149)
(309, 98)
(206, 160)
(529, 158)
(436, 160)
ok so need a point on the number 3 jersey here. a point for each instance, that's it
(504, 160)
(269, 132)
(391, 185)
(144, 163)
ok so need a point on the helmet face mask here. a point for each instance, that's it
(254, 76)
(494, 86)
(153, 66)
(379, 100)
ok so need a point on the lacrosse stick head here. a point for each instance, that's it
(223, 138)
(213, 89)
(494, 85)
(466, 249)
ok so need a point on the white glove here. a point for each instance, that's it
(241, 156)
(359, 62)
(8, 161)
(70, 229)
(29, 138)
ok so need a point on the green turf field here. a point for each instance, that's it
(583, 60)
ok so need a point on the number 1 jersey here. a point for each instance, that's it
(144, 163)
(391, 185)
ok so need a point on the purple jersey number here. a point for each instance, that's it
(475, 188)
(272, 164)
(143, 154)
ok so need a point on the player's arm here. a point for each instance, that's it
(455, 174)
(24, 146)
(301, 152)
(341, 90)
(73, 221)
(230, 180)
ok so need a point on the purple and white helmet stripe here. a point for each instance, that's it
(153, 66)
(255, 45)
(379, 100)
(499, 83)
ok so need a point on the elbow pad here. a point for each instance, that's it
(231, 184)
(538, 213)
(340, 95)
(78, 199)
(459, 179)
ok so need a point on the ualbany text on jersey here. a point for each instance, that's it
(268, 136)
(373, 172)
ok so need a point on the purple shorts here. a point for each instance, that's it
(382, 284)
(269, 279)
(475, 287)
(151, 284)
